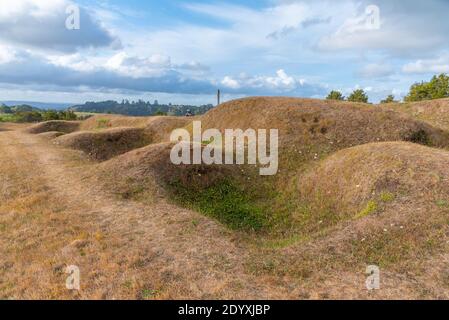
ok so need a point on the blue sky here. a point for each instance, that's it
(183, 51)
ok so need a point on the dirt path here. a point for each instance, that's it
(123, 249)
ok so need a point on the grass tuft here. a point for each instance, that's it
(370, 208)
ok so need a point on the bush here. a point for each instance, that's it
(50, 115)
(5, 109)
(437, 88)
(389, 99)
(59, 115)
(28, 116)
(358, 96)
(335, 95)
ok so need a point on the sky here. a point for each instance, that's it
(183, 51)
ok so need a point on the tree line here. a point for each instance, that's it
(25, 113)
(436, 88)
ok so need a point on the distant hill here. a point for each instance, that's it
(39, 105)
(139, 108)
(17, 108)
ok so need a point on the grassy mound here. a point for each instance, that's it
(103, 145)
(434, 112)
(219, 191)
(359, 181)
(56, 125)
(310, 130)
(331, 125)
(108, 141)
(160, 128)
(385, 204)
(108, 121)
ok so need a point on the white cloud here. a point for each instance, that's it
(7, 55)
(137, 67)
(327, 40)
(406, 28)
(230, 83)
(376, 70)
(282, 80)
(278, 84)
(437, 65)
(42, 24)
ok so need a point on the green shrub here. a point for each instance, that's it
(370, 208)
(388, 99)
(436, 88)
(28, 116)
(335, 95)
(358, 96)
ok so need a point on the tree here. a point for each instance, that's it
(160, 113)
(436, 88)
(5, 109)
(68, 115)
(358, 96)
(335, 95)
(388, 99)
(50, 115)
(28, 116)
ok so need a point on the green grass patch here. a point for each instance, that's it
(395, 247)
(442, 203)
(149, 293)
(370, 208)
(285, 242)
(387, 197)
(224, 201)
(8, 118)
(103, 123)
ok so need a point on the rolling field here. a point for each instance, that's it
(357, 185)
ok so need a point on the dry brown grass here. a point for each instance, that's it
(59, 216)
(347, 198)
(330, 124)
(105, 144)
(108, 137)
(51, 135)
(160, 128)
(56, 125)
(106, 121)
(434, 112)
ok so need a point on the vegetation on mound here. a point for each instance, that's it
(105, 144)
(434, 112)
(436, 88)
(322, 124)
(55, 125)
(24, 114)
(225, 201)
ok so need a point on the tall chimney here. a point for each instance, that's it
(218, 97)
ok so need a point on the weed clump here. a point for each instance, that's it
(370, 208)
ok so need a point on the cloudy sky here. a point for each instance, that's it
(182, 51)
